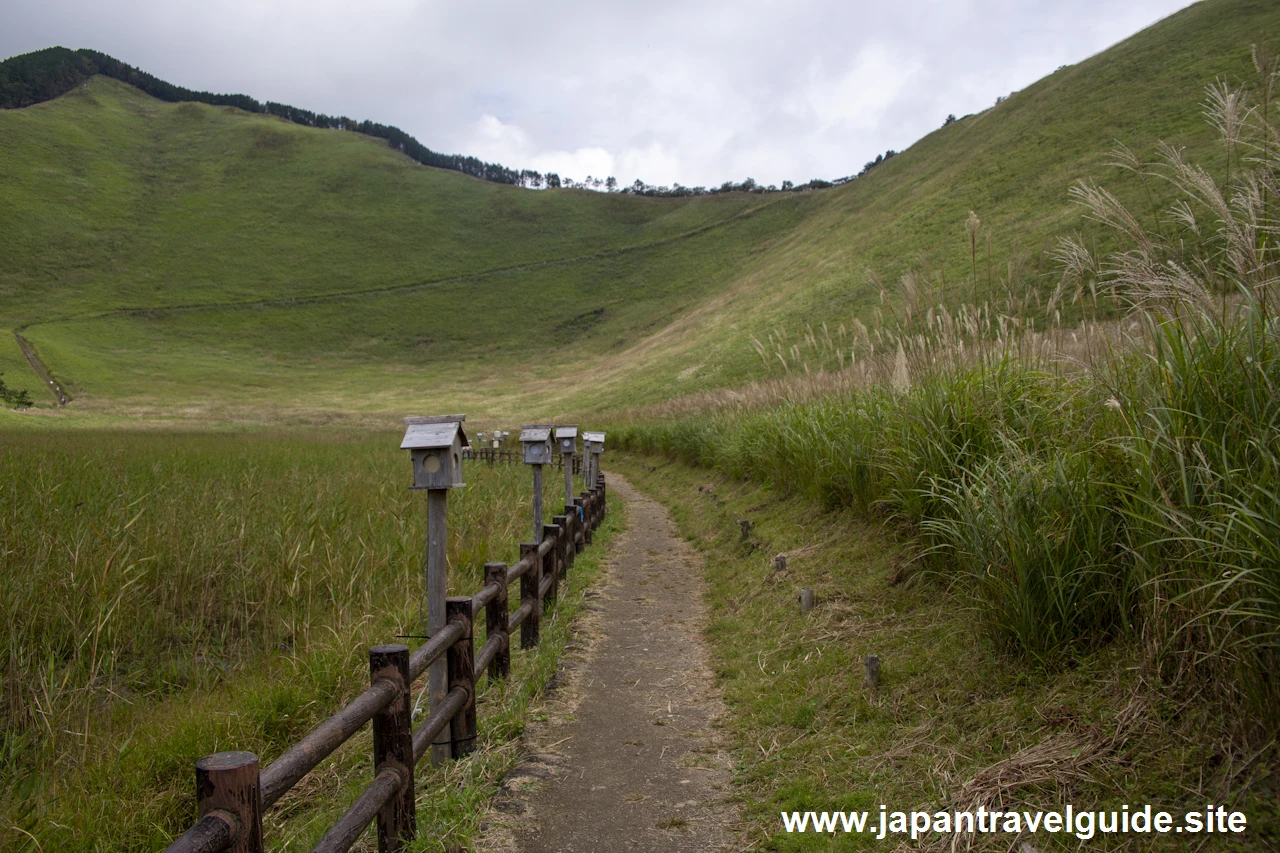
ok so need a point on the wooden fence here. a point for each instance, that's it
(232, 792)
(497, 454)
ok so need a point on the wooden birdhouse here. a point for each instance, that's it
(567, 439)
(538, 448)
(593, 442)
(435, 447)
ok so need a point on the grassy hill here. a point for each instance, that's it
(187, 259)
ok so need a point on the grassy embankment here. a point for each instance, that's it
(179, 261)
(1116, 518)
(171, 596)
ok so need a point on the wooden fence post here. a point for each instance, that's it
(563, 549)
(495, 617)
(393, 746)
(551, 561)
(568, 477)
(530, 591)
(581, 505)
(227, 782)
(461, 657)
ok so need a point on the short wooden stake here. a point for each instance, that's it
(745, 524)
(495, 616)
(462, 674)
(393, 746)
(530, 588)
(807, 601)
(780, 563)
(227, 782)
(873, 671)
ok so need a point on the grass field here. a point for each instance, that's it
(184, 594)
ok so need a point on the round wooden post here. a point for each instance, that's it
(495, 616)
(537, 502)
(461, 661)
(580, 505)
(437, 591)
(563, 549)
(227, 782)
(807, 601)
(393, 747)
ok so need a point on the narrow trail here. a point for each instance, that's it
(40, 370)
(629, 757)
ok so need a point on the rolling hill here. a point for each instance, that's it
(187, 260)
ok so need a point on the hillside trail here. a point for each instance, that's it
(625, 753)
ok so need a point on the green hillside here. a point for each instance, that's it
(183, 258)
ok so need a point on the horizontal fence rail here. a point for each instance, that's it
(232, 793)
(498, 454)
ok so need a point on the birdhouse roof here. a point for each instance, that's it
(593, 436)
(535, 434)
(430, 436)
(567, 431)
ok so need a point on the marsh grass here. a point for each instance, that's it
(169, 595)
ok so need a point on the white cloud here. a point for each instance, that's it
(694, 91)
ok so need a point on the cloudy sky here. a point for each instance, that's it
(695, 91)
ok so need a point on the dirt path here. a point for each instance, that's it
(629, 757)
(40, 370)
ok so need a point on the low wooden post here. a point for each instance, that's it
(873, 671)
(495, 618)
(393, 747)
(564, 523)
(461, 657)
(227, 782)
(745, 524)
(807, 600)
(530, 591)
(780, 563)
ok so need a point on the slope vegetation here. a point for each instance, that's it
(184, 257)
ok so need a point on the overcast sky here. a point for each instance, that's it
(695, 91)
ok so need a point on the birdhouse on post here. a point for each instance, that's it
(593, 446)
(435, 448)
(567, 442)
(538, 451)
(567, 439)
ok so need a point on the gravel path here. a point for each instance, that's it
(629, 757)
